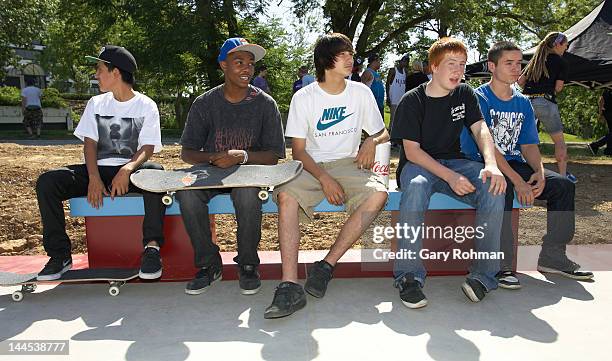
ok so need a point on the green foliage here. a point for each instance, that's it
(579, 112)
(283, 58)
(21, 22)
(167, 117)
(51, 98)
(76, 96)
(10, 96)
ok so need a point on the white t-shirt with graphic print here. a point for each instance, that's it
(332, 124)
(120, 128)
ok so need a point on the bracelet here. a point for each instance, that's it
(245, 154)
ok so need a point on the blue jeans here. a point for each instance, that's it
(418, 185)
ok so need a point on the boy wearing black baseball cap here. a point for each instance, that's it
(121, 131)
(233, 123)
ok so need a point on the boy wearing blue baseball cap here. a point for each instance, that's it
(233, 123)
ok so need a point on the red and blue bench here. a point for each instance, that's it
(114, 235)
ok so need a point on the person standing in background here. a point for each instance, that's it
(543, 78)
(417, 76)
(31, 108)
(357, 64)
(605, 114)
(371, 78)
(261, 80)
(297, 85)
(396, 85)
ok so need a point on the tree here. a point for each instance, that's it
(377, 25)
(175, 42)
(21, 23)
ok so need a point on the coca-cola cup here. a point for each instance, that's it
(381, 161)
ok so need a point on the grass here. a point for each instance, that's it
(569, 138)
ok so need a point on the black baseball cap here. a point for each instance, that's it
(117, 56)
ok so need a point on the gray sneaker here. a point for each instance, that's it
(288, 298)
(203, 280)
(508, 280)
(54, 269)
(473, 290)
(249, 281)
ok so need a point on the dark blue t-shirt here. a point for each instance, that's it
(511, 122)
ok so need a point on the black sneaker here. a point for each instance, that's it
(410, 292)
(249, 279)
(571, 270)
(508, 280)
(593, 148)
(288, 298)
(473, 289)
(54, 269)
(150, 264)
(203, 280)
(319, 276)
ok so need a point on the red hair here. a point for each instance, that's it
(443, 46)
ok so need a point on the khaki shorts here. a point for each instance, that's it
(358, 185)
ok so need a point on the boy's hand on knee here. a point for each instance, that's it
(498, 182)
(524, 193)
(96, 192)
(461, 185)
(120, 183)
(537, 182)
(332, 189)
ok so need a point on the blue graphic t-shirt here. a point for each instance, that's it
(511, 122)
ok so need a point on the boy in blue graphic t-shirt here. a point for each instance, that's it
(511, 120)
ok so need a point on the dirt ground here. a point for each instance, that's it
(20, 227)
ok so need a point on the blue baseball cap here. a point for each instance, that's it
(241, 44)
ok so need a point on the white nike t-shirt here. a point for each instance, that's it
(332, 124)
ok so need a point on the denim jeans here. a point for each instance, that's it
(418, 185)
(559, 195)
(55, 186)
(194, 209)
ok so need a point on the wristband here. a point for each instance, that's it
(245, 154)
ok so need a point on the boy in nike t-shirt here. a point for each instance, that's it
(325, 121)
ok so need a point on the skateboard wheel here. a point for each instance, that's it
(167, 200)
(263, 195)
(113, 290)
(17, 296)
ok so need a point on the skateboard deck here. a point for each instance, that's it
(116, 277)
(206, 176)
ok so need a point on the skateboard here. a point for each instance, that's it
(116, 277)
(204, 176)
